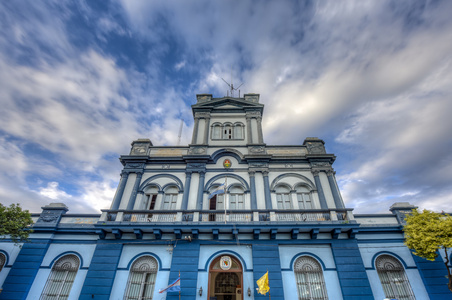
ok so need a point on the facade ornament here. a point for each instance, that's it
(330, 172)
(195, 166)
(258, 165)
(202, 115)
(49, 217)
(253, 114)
(315, 172)
(165, 166)
(315, 148)
(289, 166)
(139, 149)
(320, 164)
(257, 149)
(197, 150)
(135, 165)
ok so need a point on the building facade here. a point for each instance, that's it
(281, 212)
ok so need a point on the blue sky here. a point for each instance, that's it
(80, 80)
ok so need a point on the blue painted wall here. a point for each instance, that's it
(185, 260)
(351, 271)
(24, 270)
(267, 258)
(102, 271)
(433, 273)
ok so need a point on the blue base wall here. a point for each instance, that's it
(434, 273)
(351, 271)
(24, 270)
(101, 272)
(185, 260)
(267, 258)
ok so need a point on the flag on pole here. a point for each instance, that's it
(173, 287)
(219, 190)
(262, 283)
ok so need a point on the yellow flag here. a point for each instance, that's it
(262, 283)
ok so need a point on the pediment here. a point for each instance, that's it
(227, 103)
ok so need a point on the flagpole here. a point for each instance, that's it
(179, 283)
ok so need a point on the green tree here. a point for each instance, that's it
(427, 233)
(14, 223)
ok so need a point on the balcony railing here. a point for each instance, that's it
(235, 216)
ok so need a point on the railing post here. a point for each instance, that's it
(119, 216)
(333, 215)
(196, 216)
(255, 216)
(103, 216)
(350, 216)
(272, 216)
(179, 216)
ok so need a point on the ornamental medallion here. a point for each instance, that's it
(227, 163)
(225, 263)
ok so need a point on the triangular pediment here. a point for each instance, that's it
(227, 103)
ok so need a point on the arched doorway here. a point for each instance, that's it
(225, 279)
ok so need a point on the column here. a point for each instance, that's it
(186, 190)
(336, 196)
(268, 199)
(195, 131)
(259, 130)
(206, 130)
(253, 190)
(133, 197)
(322, 199)
(202, 176)
(248, 129)
(120, 191)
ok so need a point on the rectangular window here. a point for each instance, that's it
(283, 201)
(304, 201)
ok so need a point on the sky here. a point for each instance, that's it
(80, 80)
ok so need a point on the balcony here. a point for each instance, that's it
(232, 216)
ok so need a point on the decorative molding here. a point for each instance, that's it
(195, 166)
(197, 150)
(289, 166)
(257, 149)
(320, 164)
(135, 165)
(258, 165)
(315, 172)
(48, 216)
(202, 115)
(165, 166)
(330, 172)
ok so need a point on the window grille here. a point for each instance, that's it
(393, 278)
(141, 282)
(61, 278)
(2, 260)
(309, 278)
(283, 197)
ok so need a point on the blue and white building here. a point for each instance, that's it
(280, 211)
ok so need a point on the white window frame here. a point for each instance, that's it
(309, 279)
(142, 277)
(61, 278)
(393, 278)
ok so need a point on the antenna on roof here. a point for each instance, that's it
(232, 88)
(180, 131)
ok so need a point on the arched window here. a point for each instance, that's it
(150, 197)
(236, 198)
(238, 131)
(61, 278)
(310, 281)
(170, 198)
(2, 260)
(393, 278)
(227, 131)
(303, 198)
(216, 131)
(141, 283)
(283, 197)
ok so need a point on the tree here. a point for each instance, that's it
(14, 223)
(427, 233)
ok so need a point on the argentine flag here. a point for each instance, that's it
(173, 287)
(219, 190)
